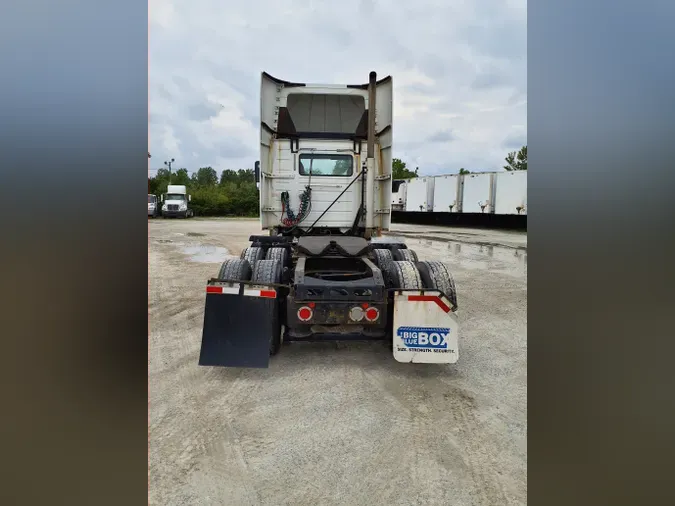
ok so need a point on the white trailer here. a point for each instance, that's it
(420, 194)
(511, 192)
(478, 192)
(447, 194)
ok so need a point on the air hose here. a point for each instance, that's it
(291, 219)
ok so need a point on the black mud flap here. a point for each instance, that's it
(238, 330)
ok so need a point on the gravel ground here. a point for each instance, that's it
(336, 423)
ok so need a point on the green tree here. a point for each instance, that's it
(246, 176)
(516, 160)
(181, 176)
(159, 182)
(399, 170)
(464, 171)
(207, 176)
(228, 176)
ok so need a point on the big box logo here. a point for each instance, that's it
(424, 337)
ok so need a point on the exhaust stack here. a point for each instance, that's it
(370, 160)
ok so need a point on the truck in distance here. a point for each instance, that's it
(153, 208)
(175, 202)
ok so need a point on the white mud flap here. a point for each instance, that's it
(425, 328)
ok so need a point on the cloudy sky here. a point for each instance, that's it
(459, 70)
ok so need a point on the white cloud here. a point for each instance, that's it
(459, 69)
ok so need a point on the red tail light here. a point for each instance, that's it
(372, 314)
(305, 313)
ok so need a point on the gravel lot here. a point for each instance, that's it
(336, 423)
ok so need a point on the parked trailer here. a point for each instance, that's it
(325, 191)
(487, 199)
(420, 194)
(511, 192)
(447, 194)
(477, 192)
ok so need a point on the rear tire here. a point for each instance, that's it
(403, 255)
(436, 275)
(253, 254)
(265, 272)
(280, 254)
(404, 275)
(235, 269)
(383, 258)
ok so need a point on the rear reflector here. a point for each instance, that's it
(269, 294)
(222, 289)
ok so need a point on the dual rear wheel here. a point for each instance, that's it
(402, 269)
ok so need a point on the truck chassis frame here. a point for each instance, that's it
(321, 288)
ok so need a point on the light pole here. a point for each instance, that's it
(168, 164)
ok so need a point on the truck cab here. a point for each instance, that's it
(153, 208)
(313, 173)
(175, 202)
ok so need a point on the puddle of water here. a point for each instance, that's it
(508, 261)
(388, 238)
(195, 234)
(511, 261)
(206, 254)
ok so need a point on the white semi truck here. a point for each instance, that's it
(324, 272)
(153, 208)
(175, 202)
